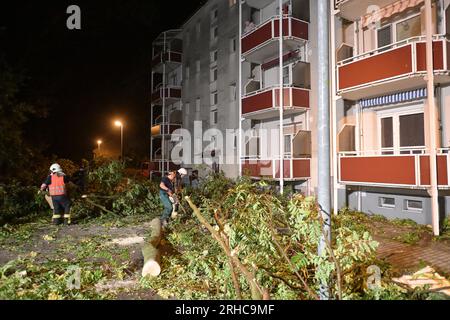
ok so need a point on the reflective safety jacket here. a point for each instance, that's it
(57, 186)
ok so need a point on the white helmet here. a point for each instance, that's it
(182, 172)
(56, 168)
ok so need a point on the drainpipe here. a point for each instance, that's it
(433, 121)
(324, 191)
(281, 103)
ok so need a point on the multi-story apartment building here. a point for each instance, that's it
(383, 121)
(228, 68)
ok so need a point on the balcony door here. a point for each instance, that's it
(402, 131)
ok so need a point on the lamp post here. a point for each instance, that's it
(120, 124)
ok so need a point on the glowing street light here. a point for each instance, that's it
(118, 123)
(99, 143)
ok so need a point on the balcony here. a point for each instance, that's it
(162, 129)
(353, 10)
(169, 94)
(264, 104)
(172, 60)
(261, 43)
(397, 67)
(404, 170)
(295, 169)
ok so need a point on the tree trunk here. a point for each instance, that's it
(150, 251)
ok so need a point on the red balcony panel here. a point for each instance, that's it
(257, 102)
(257, 37)
(442, 171)
(156, 60)
(386, 65)
(398, 170)
(300, 98)
(438, 58)
(174, 56)
(302, 168)
(300, 29)
(174, 93)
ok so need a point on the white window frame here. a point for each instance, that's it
(214, 116)
(409, 209)
(394, 28)
(396, 113)
(386, 206)
(214, 73)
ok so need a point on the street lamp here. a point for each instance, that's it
(120, 124)
(99, 143)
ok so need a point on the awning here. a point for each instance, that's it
(389, 11)
(406, 96)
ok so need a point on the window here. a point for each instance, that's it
(214, 15)
(197, 66)
(413, 205)
(287, 144)
(387, 135)
(214, 74)
(384, 36)
(412, 130)
(408, 28)
(233, 45)
(187, 108)
(214, 56)
(402, 130)
(214, 98)
(385, 202)
(233, 92)
(214, 116)
(232, 3)
(214, 33)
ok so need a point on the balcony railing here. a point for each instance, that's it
(404, 169)
(259, 44)
(294, 168)
(171, 94)
(265, 103)
(399, 66)
(167, 57)
(164, 129)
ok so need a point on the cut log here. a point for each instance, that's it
(150, 251)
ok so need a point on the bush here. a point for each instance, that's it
(17, 202)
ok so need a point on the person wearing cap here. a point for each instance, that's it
(56, 184)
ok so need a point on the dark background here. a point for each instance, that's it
(86, 78)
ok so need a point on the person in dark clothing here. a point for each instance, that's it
(166, 190)
(56, 183)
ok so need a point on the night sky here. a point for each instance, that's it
(87, 77)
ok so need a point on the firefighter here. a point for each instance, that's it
(56, 183)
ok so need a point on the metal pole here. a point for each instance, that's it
(281, 103)
(432, 118)
(240, 90)
(333, 109)
(324, 191)
(121, 142)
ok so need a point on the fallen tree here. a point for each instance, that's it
(151, 252)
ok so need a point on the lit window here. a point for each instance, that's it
(413, 205)
(385, 202)
(232, 3)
